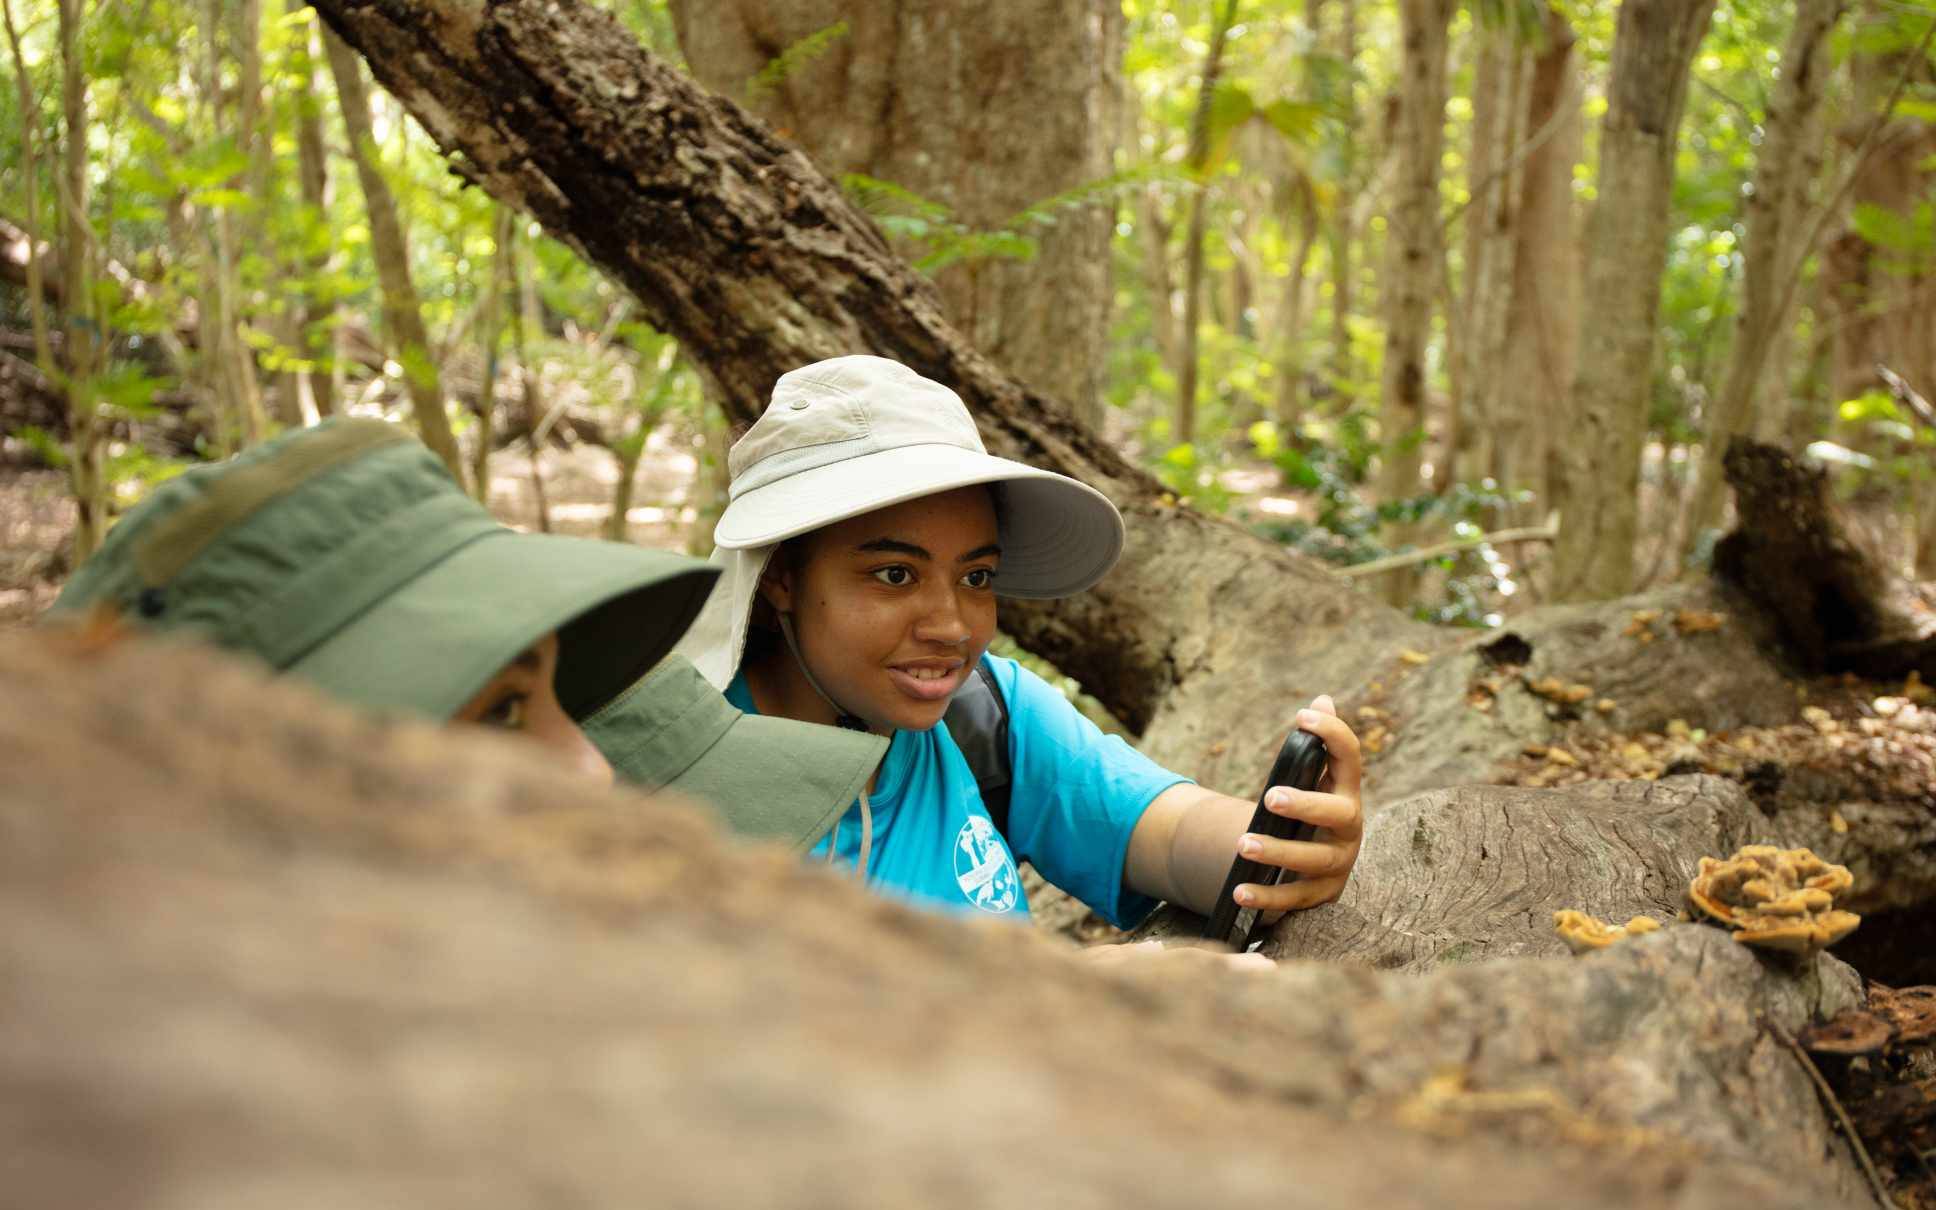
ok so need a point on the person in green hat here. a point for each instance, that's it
(345, 555)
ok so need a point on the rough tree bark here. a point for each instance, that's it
(1598, 480)
(1774, 247)
(1413, 262)
(249, 935)
(734, 244)
(402, 317)
(932, 97)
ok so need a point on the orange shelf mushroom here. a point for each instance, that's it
(1778, 899)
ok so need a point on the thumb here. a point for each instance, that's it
(1324, 703)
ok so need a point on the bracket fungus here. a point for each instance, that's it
(1585, 933)
(1778, 899)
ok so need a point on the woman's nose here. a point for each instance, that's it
(942, 621)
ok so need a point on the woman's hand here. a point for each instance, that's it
(1324, 862)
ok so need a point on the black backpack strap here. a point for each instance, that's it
(977, 721)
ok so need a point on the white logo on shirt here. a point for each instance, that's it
(983, 867)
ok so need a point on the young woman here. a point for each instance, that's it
(866, 539)
(344, 554)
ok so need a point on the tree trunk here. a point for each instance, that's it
(498, 287)
(1412, 262)
(231, 365)
(1775, 246)
(255, 134)
(932, 97)
(1597, 487)
(1495, 171)
(1184, 429)
(316, 318)
(1291, 338)
(29, 234)
(1543, 320)
(402, 317)
(79, 347)
(319, 932)
(1344, 369)
(735, 246)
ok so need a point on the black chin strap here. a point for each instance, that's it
(842, 718)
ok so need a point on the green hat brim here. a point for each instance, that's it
(428, 647)
(773, 779)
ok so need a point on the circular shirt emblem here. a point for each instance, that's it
(983, 868)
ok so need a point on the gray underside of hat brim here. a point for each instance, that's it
(1059, 536)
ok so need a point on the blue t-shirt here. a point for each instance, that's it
(1075, 796)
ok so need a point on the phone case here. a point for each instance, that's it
(1300, 765)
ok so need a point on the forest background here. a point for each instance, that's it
(1229, 234)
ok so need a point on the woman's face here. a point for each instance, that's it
(520, 698)
(893, 609)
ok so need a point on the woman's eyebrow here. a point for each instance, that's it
(982, 552)
(895, 547)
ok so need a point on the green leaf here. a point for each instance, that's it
(792, 59)
(222, 199)
(45, 445)
(1230, 107)
(1295, 120)
(124, 386)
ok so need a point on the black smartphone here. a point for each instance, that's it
(1300, 765)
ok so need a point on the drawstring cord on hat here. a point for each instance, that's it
(851, 722)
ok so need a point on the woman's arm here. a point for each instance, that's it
(1182, 847)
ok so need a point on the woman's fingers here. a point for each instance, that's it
(1347, 763)
(1290, 896)
(1338, 813)
(1312, 859)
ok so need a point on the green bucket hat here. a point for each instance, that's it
(771, 779)
(345, 554)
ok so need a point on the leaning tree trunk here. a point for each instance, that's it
(930, 97)
(249, 934)
(1412, 259)
(735, 245)
(1774, 247)
(1598, 480)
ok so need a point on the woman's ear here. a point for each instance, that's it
(776, 586)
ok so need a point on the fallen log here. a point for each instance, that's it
(260, 948)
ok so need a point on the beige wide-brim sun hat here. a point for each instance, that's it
(851, 435)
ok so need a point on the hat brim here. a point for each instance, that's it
(428, 647)
(761, 763)
(1059, 536)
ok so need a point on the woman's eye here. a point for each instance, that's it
(895, 577)
(508, 713)
(981, 577)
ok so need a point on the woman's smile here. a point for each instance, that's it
(928, 680)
